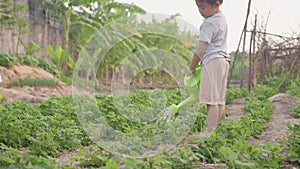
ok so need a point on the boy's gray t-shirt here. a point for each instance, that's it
(214, 31)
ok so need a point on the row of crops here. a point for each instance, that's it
(33, 136)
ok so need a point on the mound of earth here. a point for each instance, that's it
(30, 94)
(18, 72)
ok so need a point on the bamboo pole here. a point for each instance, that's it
(243, 63)
(234, 60)
(237, 51)
(253, 60)
(250, 62)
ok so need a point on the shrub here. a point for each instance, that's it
(48, 66)
(9, 60)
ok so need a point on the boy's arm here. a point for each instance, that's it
(198, 55)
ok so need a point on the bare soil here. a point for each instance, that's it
(31, 94)
(17, 72)
(235, 109)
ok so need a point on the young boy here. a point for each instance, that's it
(212, 52)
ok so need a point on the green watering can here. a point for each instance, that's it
(191, 83)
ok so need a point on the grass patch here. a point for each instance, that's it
(34, 82)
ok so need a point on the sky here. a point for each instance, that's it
(284, 16)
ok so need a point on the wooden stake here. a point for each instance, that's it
(253, 61)
(243, 63)
(244, 44)
(250, 62)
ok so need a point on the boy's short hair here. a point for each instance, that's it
(210, 1)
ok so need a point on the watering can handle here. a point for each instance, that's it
(197, 72)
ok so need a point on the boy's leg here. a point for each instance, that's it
(222, 110)
(222, 113)
(212, 90)
(212, 117)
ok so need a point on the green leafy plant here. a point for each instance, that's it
(293, 152)
(200, 121)
(93, 157)
(294, 88)
(263, 92)
(26, 60)
(45, 129)
(9, 60)
(296, 111)
(14, 158)
(59, 56)
(48, 66)
(235, 93)
(31, 48)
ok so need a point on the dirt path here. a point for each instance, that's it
(277, 128)
(235, 109)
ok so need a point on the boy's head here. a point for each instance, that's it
(210, 1)
(208, 8)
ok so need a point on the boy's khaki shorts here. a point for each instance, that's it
(213, 82)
